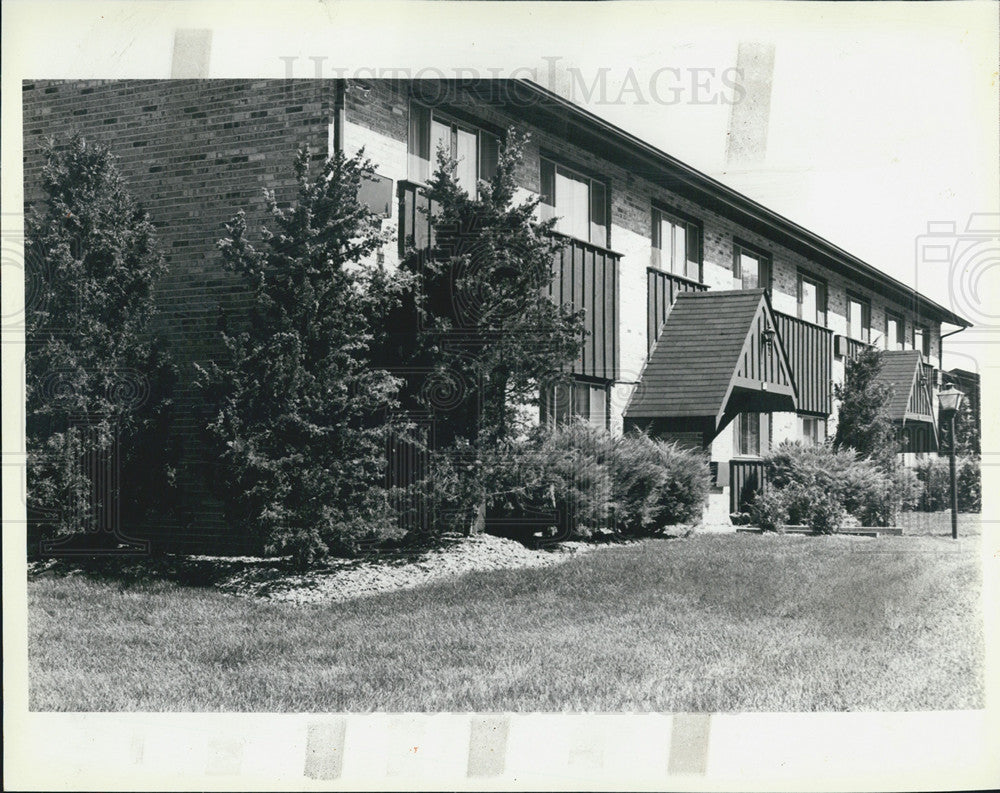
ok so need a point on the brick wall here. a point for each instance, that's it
(194, 152)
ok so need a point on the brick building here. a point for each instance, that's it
(766, 312)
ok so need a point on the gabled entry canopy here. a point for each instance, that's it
(717, 355)
(911, 406)
(902, 370)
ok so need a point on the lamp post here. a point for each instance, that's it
(950, 400)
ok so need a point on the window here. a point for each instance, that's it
(812, 430)
(577, 399)
(474, 150)
(859, 313)
(922, 340)
(893, 331)
(750, 429)
(579, 203)
(751, 268)
(676, 245)
(812, 299)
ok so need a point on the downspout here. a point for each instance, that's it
(335, 134)
(941, 338)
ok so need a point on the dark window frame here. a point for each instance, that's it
(694, 238)
(765, 263)
(926, 336)
(899, 343)
(822, 297)
(866, 316)
(454, 120)
(561, 164)
(548, 409)
(818, 441)
(763, 436)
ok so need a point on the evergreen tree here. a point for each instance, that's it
(967, 440)
(98, 389)
(863, 421)
(301, 415)
(487, 324)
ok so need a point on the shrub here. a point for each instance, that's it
(935, 481)
(812, 505)
(934, 477)
(656, 484)
(545, 481)
(907, 486)
(798, 504)
(768, 510)
(862, 487)
(859, 485)
(576, 475)
(573, 480)
(970, 485)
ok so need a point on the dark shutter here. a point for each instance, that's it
(489, 155)
(419, 142)
(654, 259)
(598, 213)
(694, 251)
(765, 272)
(548, 192)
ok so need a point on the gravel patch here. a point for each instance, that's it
(349, 579)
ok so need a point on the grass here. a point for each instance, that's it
(709, 623)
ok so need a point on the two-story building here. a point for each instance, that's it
(711, 319)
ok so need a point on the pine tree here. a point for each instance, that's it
(300, 413)
(863, 421)
(98, 388)
(967, 437)
(486, 321)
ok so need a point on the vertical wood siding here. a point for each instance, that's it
(761, 362)
(920, 401)
(809, 349)
(746, 477)
(586, 277)
(661, 290)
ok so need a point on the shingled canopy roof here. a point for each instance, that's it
(711, 361)
(911, 401)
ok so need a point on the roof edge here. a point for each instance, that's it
(743, 203)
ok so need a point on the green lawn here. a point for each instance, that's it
(709, 623)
